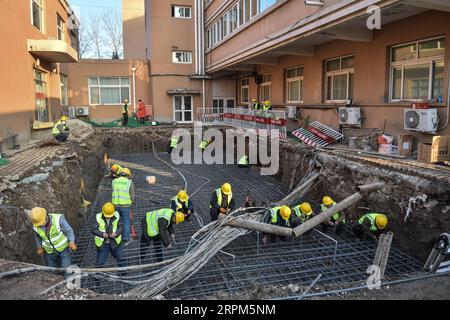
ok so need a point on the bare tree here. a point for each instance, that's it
(112, 24)
(95, 36)
(83, 40)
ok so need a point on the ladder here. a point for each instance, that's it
(318, 135)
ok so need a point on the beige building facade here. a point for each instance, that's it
(37, 36)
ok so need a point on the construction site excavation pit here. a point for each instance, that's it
(244, 268)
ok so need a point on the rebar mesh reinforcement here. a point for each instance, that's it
(242, 263)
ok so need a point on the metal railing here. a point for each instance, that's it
(210, 116)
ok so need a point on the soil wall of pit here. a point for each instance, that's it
(414, 233)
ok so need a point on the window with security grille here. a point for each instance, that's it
(417, 70)
(182, 57)
(181, 12)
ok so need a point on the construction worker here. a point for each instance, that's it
(337, 220)
(303, 213)
(60, 130)
(370, 226)
(279, 216)
(122, 197)
(204, 144)
(108, 229)
(114, 172)
(182, 203)
(157, 227)
(173, 143)
(54, 237)
(243, 162)
(267, 105)
(125, 112)
(255, 105)
(222, 201)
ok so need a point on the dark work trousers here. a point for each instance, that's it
(214, 214)
(125, 119)
(157, 246)
(61, 137)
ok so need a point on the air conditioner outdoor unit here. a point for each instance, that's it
(71, 112)
(350, 116)
(425, 120)
(291, 112)
(82, 111)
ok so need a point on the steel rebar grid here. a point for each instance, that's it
(278, 264)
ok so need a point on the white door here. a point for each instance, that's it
(182, 109)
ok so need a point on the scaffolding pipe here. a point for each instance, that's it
(259, 226)
(324, 216)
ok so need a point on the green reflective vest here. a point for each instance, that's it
(173, 142)
(179, 203)
(55, 130)
(335, 216)
(267, 106)
(102, 228)
(371, 217)
(255, 106)
(125, 108)
(219, 197)
(152, 220)
(121, 191)
(56, 239)
(274, 215)
(203, 144)
(244, 160)
(299, 214)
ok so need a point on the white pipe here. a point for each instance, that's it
(448, 97)
(134, 90)
(196, 34)
(203, 94)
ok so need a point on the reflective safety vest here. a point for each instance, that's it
(203, 144)
(219, 197)
(267, 106)
(335, 216)
(371, 217)
(180, 203)
(255, 106)
(274, 214)
(173, 142)
(56, 239)
(244, 160)
(102, 228)
(121, 191)
(299, 214)
(55, 130)
(125, 108)
(152, 220)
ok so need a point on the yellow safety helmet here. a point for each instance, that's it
(179, 217)
(267, 102)
(115, 168)
(64, 118)
(381, 221)
(125, 100)
(226, 188)
(108, 210)
(126, 171)
(285, 212)
(253, 100)
(306, 209)
(37, 216)
(182, 195)
(327, 200)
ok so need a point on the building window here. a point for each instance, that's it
(182, 57)
(234, 18)
(417, 70)
(63, 83)
(244, 90)
(108, 91)
(266, 87)
(264, 4)
(60, 27)
(181, 12)
(339, 79)
(241, 12)
(41, 96)
(219, 103)
(37, 14)
(294, 85)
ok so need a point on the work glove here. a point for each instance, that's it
(113, 235)
(105, 235)
(223, 210)
(40, 251)
(72, 246)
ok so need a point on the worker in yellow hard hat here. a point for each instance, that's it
(60, 130)
(222, 201)
(125, 112)
(123, 195)
(279, 216)
(107, 231)
(54, 237)
(370, 225)
(303, 212)
(255, 105)
(182, 203)
(267, 105)
(337, 220)
(114, 171)
(157, 227)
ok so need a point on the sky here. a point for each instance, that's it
(83, 7)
